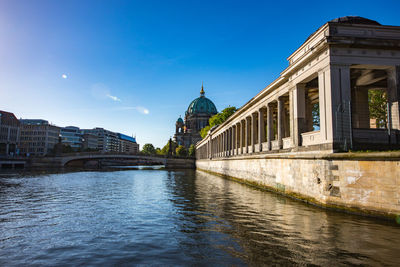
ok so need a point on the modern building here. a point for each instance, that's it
(37, 137)
(127, 144)
(72, 137)
(9, 133)
(196, 118)
(107, 141)
(90, 142)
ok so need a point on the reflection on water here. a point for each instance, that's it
(181, 217)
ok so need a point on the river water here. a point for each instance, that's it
(159, 217)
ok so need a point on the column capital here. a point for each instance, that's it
(339, 65)
(262, 109)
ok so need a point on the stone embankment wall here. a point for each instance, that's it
(362, 183)
(177, 163)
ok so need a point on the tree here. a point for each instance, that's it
(148, 149)
(181, 151)
(377, 100)
(165, 149)
(204, 131)
(315, 116)
(67, 149)
(217, 119)
(192, 150)
(158, 151)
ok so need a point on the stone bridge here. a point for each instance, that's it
(109, 159)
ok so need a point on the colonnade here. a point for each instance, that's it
(261, 130)
(321, 101)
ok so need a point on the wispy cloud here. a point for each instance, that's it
(140, 109)
(101, 92)
(143, 110)
(114, 98)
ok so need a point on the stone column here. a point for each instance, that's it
(223, 144)
(393, 91)
(361, 108)
(210, 148)
(228, 142)
(280, 121)
(237, 138)
(233, 141)
(215, 145)
(261, 128)
(253, 131)
(219, 146)
(247, 134)
(269, 126)
(338, 114)
(322, 104)
(299, 113)
(291, 117)
(242, 136)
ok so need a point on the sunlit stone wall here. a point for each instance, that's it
(367, 185)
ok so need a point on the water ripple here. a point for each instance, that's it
(176, 218)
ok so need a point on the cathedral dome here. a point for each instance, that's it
(179, 120)
(201, 105)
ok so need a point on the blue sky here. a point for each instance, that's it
(134, 66)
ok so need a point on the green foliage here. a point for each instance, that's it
(67, 149)
(221, 117)
(315, 115)
(377, 100)
(158, 151)
(148, 149)
(204, 131)
(181, 151)
(192, 150)
(165, 149)
(217, 119)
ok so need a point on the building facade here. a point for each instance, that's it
(127, 144)
(107, 141)
(341, 91)
(37, 137)
(196, 118)
(9, 134)
(72, 136)
(90, 142)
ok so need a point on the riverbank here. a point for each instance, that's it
(363, 183)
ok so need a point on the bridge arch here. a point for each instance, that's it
(82, 159)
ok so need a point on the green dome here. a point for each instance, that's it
(201, 105)
(180, 120)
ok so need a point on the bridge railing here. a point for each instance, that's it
(73, 154)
